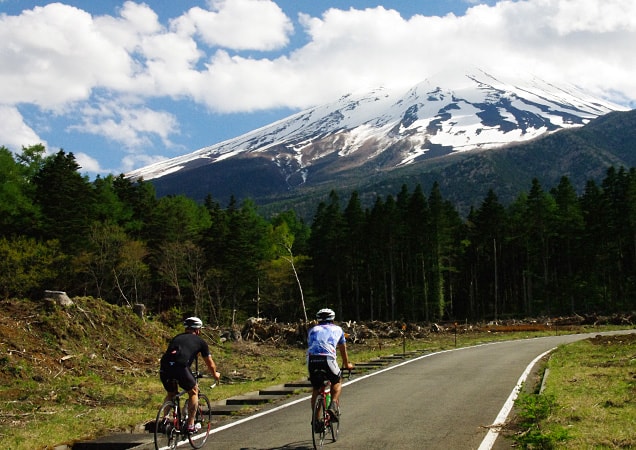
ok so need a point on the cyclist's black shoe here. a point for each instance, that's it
(334, 413)
(319, 426)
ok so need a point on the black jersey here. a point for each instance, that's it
(183, 349)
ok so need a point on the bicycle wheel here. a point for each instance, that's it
(318, 430)
(204, 418)
(335, 426)
(166, 435)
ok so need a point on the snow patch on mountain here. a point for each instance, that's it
(449, 113)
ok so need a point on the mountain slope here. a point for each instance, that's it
(581, 154)
(360, 138)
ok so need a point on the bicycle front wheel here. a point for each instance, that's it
(204, 419)
(318, 421)
(166, 424)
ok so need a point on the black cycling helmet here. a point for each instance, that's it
(193, 323)
(326, 314)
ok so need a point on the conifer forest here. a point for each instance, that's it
(409, 256)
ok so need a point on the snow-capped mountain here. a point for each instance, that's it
(387, 129)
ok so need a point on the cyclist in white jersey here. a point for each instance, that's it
(324, 340)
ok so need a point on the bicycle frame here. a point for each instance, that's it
(321, 420)
(171, 422)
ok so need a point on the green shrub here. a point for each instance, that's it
(533, 409)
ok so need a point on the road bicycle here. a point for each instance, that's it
(322, 423)
(171, 424)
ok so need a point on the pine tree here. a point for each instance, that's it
(66, 200)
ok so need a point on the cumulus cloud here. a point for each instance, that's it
(53, 55)
(235, 56)
(134, 161)
(350, 50)
(14, 132)
(89, 164)
(238, 24)
(128, 125)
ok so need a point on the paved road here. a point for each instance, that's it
(444, 400)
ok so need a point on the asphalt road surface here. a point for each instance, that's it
(446, 400)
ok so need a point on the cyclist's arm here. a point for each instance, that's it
(345, 357)
(212, 366)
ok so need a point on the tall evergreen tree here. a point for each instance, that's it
(568, 229)
(353, 257)
(487, 241)
(327, 243)
(594, 259)
(18, 214)
(140, 197)
(417, 243)
(66, 200)
(247, 247)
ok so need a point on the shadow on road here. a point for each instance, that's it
(300, 445)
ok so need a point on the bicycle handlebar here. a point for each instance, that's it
(199, 375)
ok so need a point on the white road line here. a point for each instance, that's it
(495, 428)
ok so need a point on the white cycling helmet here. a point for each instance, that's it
(193, 323)
(325, 314)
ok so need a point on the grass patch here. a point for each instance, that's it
(589, 399)
(533, 409)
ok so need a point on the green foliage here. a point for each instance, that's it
(406, 257)
(26, 265)
(66, 200)
(17, 212)
(179, 219)
(532, 410)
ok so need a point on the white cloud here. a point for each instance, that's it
(133, 54)
(234, 56)
(134, 161)
(89, 164)
(362, 49)
(14, 133)
(53, 55)
(238, 24)
(131, 126)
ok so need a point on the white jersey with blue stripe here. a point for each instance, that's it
(324, 338)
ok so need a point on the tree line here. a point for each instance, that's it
(410, 256)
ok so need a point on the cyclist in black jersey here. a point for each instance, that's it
(175, 365)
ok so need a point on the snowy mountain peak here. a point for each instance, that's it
(389, 128)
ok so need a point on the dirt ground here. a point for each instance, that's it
(43, 340)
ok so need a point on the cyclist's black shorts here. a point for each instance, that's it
(321, 368)
(182, 374)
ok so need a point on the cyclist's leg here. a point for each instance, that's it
(336, 388)
(193, 404)
(204, 421)
(316, 367)
(187, 382)
(335, 376)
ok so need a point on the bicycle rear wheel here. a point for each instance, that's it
(204, 418)
(318, 420)
(166, 434)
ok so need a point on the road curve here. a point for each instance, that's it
(444, 400)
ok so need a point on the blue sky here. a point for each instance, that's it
(124, 84)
